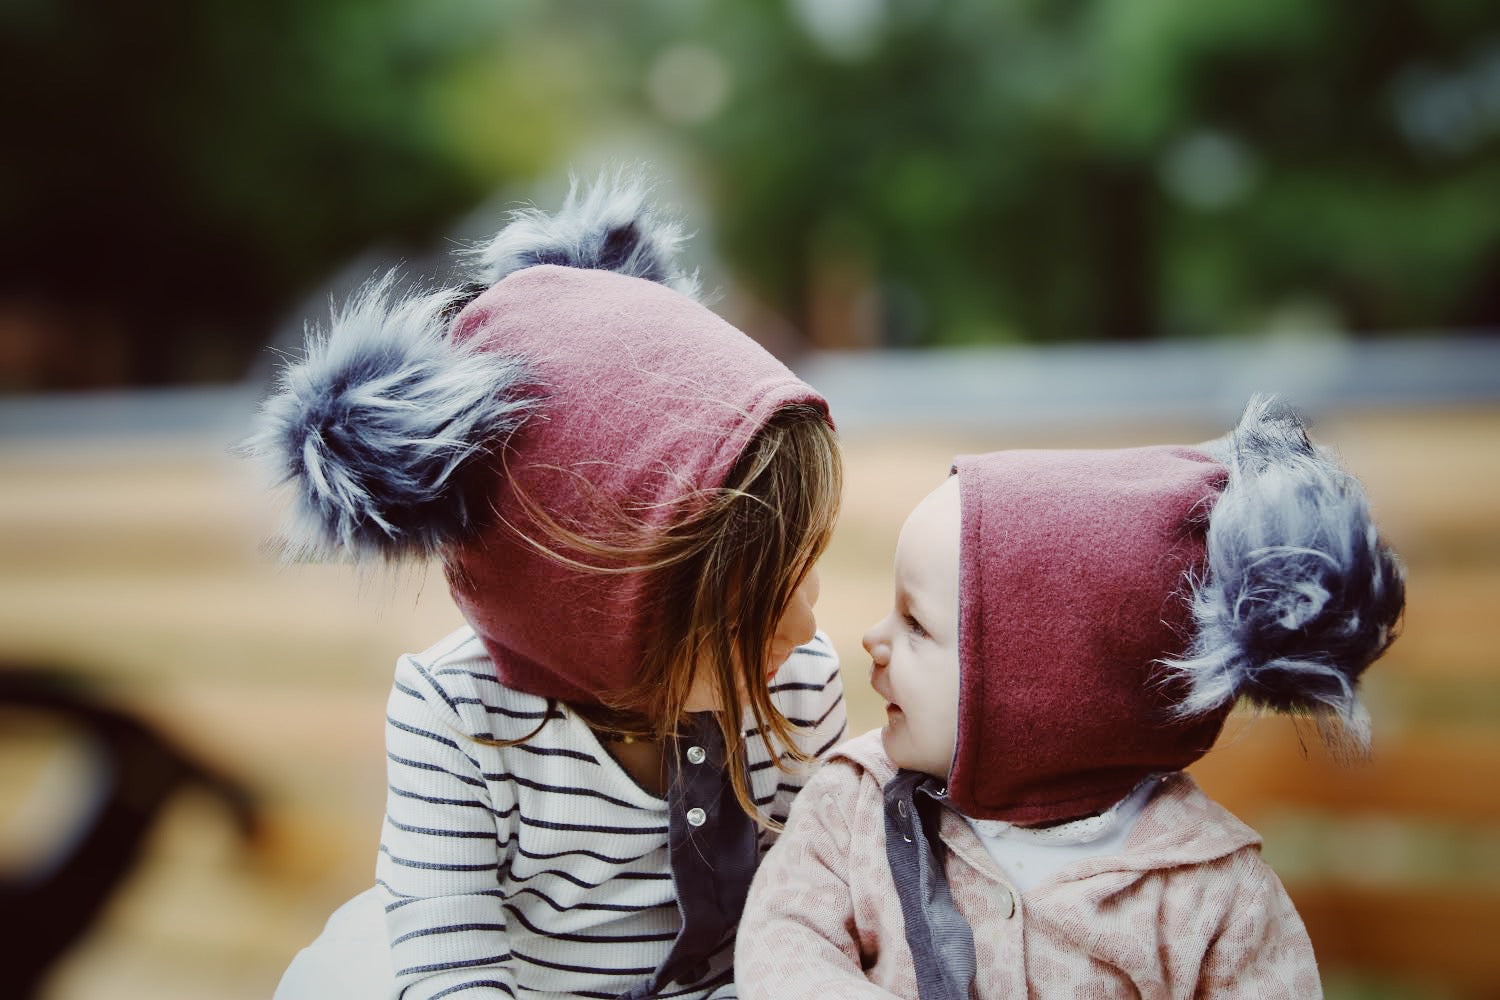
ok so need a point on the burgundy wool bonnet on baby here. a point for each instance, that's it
(1115, 604)
(1071, 588)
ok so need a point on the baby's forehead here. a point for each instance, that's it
(931, 531)
(943, 497)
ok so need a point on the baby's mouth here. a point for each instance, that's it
(891, 708)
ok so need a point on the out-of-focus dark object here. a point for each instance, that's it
(52, 905)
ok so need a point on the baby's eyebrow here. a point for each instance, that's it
(926, 613)
(910, 607)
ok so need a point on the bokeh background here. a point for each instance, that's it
(974, 224)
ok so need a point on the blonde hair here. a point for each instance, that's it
(724, 573)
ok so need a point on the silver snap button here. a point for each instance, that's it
(696, 755)
(696, 817)
(901, 807)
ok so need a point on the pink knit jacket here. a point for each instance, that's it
(1189, 910)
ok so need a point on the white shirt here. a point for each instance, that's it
(542, 869)
(1030, 856)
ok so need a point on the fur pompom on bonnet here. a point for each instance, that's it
(376, 426)
(1116, 604)
(1299, 594)
(571, 380)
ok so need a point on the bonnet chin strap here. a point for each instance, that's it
(941, 941)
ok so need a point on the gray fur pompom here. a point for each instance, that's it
(377, 425)
(1300, 595)
(610, 227)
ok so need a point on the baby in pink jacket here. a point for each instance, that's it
(1070, 630)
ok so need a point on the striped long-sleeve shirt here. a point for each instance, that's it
(542, 869)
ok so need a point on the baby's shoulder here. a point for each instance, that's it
(845, 792)
(865, 754)
(1184, 825)
(855, 767)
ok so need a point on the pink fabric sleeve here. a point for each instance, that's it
(797, 936)
(1263, 951)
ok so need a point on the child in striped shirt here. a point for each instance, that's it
(1070, 630)
(628, 497)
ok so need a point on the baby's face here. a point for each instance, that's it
(914, 649)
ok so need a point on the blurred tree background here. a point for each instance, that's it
(184, 181)
(902, 172)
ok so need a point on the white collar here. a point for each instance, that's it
(1078, 831)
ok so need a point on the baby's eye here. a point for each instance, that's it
(915, 627)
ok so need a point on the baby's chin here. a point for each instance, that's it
(901, 755)
(892, 744)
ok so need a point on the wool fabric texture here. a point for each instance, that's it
(1074, 572)
(648, 398)
(1187, 908)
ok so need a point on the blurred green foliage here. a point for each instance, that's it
(1055, 170)
(876, 171)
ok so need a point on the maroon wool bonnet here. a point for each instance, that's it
(1073, 584)
(647, 396)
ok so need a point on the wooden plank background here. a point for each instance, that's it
(137, 563)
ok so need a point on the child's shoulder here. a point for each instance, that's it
(811, 665)
(456, 676)
(808, 679)
(455, 664)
